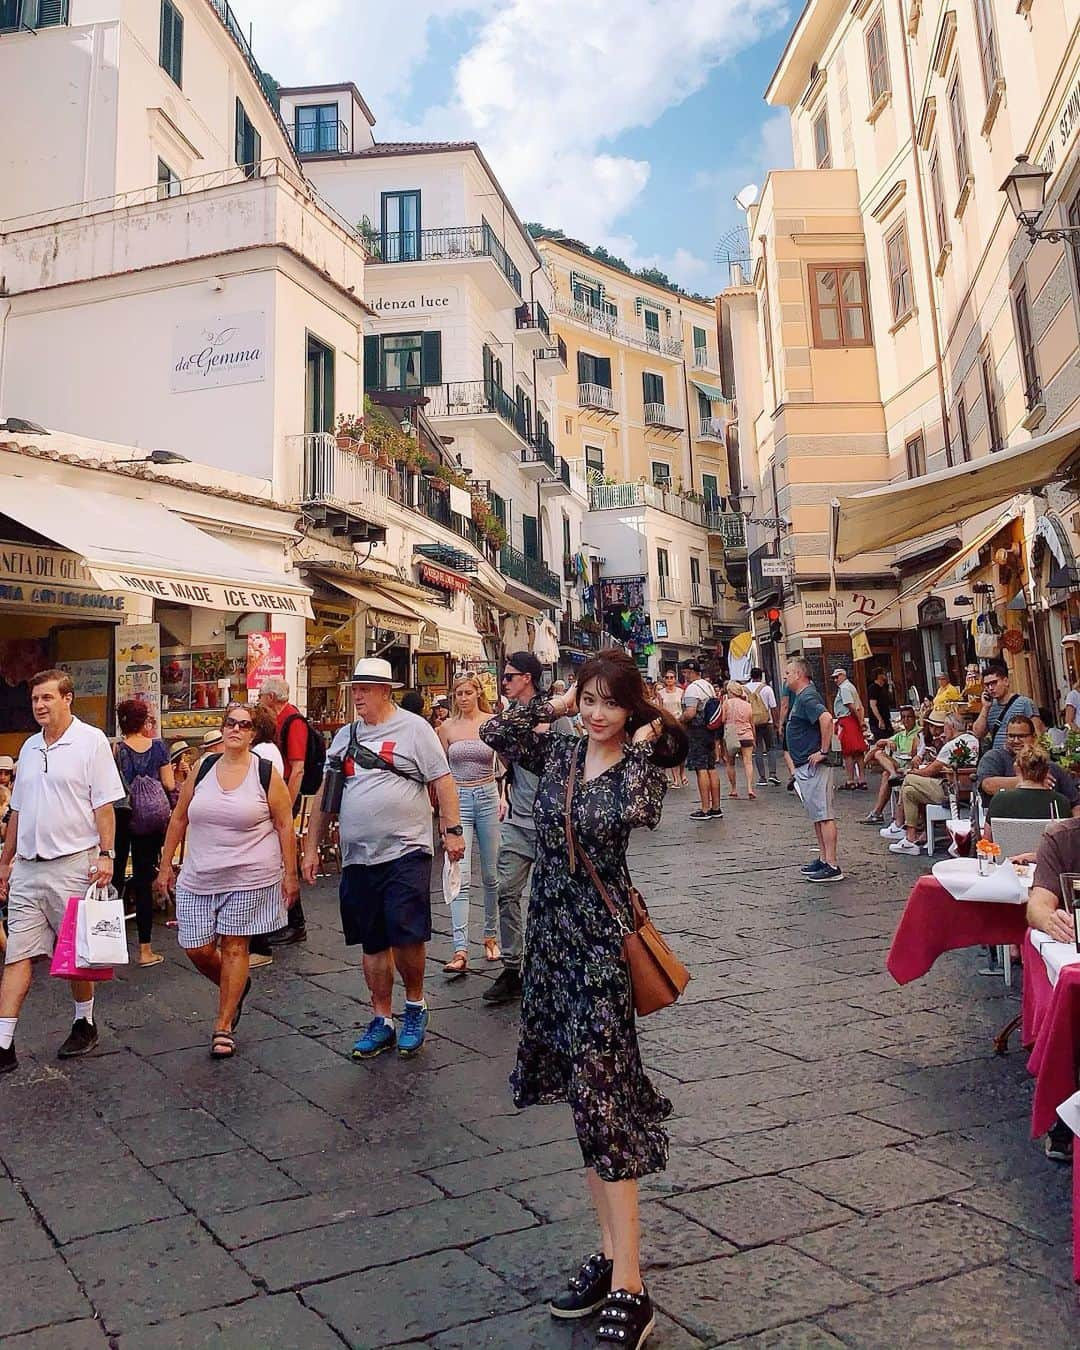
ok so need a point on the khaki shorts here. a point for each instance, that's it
(37, 899)
(815, 787)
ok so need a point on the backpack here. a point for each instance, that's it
(314, 755)
(266, 771)
(761, 715)
(711, 713)
(147, 800)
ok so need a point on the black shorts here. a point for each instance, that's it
(387, 904)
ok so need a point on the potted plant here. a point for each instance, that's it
(348, 430)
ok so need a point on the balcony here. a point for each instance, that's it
(456, 243)
(551, 359)
(533, 325)
(529, 572)
(596, 396)
(341, 491)
(415, 493)
(659, 415)
(539, 461)
(701, 358)
(635, 496)
(669, 588)
(699, 597)
(602, 321)
(320, 138)
(711, 429)
(485, 406)
(729, 525)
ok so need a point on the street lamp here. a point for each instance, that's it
(1025, 190)
(744, 504)
(157, 457)
(744, 500)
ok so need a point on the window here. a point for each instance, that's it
(594, 460)
(988, 48)
(962, 428)
(402, 360)
(248, 142)
(653, 387)
(993, 424)
(661, 473)
(899, 261)
(915, 450)
(1073, 216)
(877, 59)
(493, 370)
(168, 181)
(566, 546)
(766, 323)
(530, 536)
(652, 328)
(1032, 387)
(498, 508)
(594, 370)
(16, 14)
(959, 131)
(319, 390)
(838, 306)
(701, 344)
(663, 568)
(317, 127)
(401, 226)
(822, 148)
(589, 296)
(171, 42)
(941, 224)
(704, 407)
(710, 490)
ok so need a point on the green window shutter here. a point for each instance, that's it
(241, 123)
(603, 371)
(654, 387)
(530, 536)
(372, 377)
(431, 358)
(700, 338)
(256, 148)
(51, 12)
(584, 369)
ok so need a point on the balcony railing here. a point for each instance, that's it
(532, 314)
(342, 479)
(630, 496)
(701, 358)
(224, 12)
(1033, 393)
(711, 429)
(416, 493)
(468, 398)
(669, 588)
(540, 451)
(445, 245)
(658, 415)
(554, 353)
(595, 396)
(320, 138)
(696, 601)
(530, 572)
(729, 525)
(600, 321)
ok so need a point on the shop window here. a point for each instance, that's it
(993, 421)
(319, 400)
(899, 261)
(915, 453)
(822, 148)
(877, 60)
(171, 42)
(838, 306)
(1028, 363)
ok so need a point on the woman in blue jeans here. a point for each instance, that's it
(473, 765)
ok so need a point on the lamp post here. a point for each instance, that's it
(744, 504)
(1025, 189)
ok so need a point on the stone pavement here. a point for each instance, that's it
(850, 1163)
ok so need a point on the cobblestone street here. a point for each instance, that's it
(850, 1163)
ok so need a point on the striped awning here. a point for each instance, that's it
(711, 391)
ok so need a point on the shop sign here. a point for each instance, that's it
(265, 660)
(227, 349)
(777, 567)
(48, 578)
(208, 594)
(400, 624)
(90, 678)
(409, 303)
(848, 610)
(138, 665)
(331, 625)
(445, 581)
(1063, 131)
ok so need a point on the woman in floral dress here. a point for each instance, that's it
(578, 1042)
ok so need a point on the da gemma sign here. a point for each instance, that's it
(227, 349)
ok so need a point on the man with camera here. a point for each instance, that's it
(383, 763)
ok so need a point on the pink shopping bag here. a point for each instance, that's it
(63, 960)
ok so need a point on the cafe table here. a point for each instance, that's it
(936, 921)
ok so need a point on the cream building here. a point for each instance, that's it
(641, 412)
(905, 323)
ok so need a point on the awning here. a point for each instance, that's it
(711, 391)
(132, 544)
(465, 644)
(383, 611)
(501, 601)
(890, 515)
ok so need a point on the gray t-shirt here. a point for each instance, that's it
(384, 816)
(997, 724)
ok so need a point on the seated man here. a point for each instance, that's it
(997, 770)
(925, 785)
(893, 757)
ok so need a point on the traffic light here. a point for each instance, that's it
(776, 628)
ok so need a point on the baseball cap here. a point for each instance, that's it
(839, 671)
(527, 663)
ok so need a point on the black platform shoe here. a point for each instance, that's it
(627, 1320)
(586, 1291)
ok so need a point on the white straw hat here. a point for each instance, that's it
(374, 670)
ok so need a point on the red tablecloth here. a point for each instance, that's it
(933, 923)
(1052, 1028)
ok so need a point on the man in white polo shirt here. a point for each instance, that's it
(60, 838)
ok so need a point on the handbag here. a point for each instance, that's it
(64, 965)
(657, 976)
(100, 940)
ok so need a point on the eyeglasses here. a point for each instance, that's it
(231, 724)
(508, 675)
(1019, 736)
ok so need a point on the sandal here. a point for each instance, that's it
(457, 965)
(154, 960)
(491, 950)
(222, 1045)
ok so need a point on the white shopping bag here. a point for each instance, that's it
(451, 880)
(100, 939)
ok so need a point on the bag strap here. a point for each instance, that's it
(998, 722)
(204, 768)
(574, 849)
(353, 752)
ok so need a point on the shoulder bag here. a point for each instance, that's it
(657, 976)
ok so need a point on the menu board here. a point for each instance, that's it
(138, 661)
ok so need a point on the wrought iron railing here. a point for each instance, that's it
(555, 353)
(669, 587)
(532, 314)
(530, 572)
(468, 398)
(341, 478)
(729, 525)
(701, 358)
(596, 396)
(320, 138)
(224, 12)
(414, 492)
(711, 429)
(443, 245)
(657, 415)
(627, 496)
(540, 451)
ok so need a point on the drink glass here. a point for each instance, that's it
(1070, 898)
(961, 835)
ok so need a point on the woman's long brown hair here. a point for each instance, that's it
(618, 676)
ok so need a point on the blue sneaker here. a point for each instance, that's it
(413, 1027)
(378, 1037)
(812, 867)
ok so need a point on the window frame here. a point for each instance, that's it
(937, 196)
(845, 340)
(333, 121)
(915, 455)
(168, 183)
(590, 465)
(711, 498)
(384, 350)
(323, 398)
(1025, 342)
(877, 70)
(171, 42)
(993, 420)
(987, 41)
(247, 132)
(659, 480)
(821, 121)
(651, 381)
(958, 122)
(899, 235)
(411, 253)
(962, 428)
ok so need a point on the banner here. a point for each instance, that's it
(265, 660)
(138, 665)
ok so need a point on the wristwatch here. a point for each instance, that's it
(453, 829)
(107, 853)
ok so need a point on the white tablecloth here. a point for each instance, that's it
(1055, 955)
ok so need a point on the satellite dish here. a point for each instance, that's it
(747, 196)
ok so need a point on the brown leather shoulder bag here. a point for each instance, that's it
(657, 976)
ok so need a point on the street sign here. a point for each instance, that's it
(777, 567)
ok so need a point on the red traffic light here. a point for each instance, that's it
(772, 615)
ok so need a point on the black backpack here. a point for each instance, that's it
(266, 770)
(314, 755)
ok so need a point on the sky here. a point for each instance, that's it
(627, 123)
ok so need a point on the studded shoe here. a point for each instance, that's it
(586, 1291)
(627, 1320)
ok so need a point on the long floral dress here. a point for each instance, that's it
(578, 1042)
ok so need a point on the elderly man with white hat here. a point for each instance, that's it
(388, 758)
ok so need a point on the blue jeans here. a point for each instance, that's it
(480, 820)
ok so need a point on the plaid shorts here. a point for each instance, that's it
(202, 918)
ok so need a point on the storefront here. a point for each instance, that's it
(828, 623)
(1055, 609)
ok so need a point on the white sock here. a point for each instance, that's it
(420, 1003)
(85, 1010)
(7, 1032)
(389, 1021)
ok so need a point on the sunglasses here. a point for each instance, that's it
(510, 675)
(232, 724)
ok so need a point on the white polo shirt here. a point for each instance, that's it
(59, 787)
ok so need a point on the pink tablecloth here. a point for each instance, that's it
(1052, 1028)
(933, 923)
